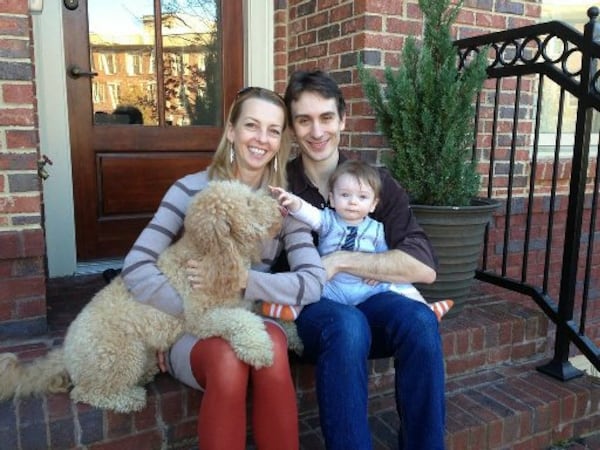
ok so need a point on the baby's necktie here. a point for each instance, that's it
(350, 239)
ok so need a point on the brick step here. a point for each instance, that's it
(515, 406)
(511, 406)
(489, 338)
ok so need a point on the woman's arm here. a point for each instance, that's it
(303, 283)
(140, 272)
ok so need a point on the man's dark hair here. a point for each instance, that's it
(315, 81)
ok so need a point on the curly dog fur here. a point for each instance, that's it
(109, 351)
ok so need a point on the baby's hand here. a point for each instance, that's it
(286, 199)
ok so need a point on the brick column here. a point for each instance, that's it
(22, 249)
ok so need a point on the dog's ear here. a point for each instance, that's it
(207, 219)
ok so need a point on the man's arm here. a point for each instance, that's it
(394, 266)
(411, 257)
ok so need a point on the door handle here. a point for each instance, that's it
(75, 72)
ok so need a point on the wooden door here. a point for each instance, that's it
(147, 94)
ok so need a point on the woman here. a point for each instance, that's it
(253, 150)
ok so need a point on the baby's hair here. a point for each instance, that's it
(362, 171)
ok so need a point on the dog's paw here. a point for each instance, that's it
(255, 348)
(244, 330)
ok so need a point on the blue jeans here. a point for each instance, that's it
(340, 339)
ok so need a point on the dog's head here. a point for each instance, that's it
(229, 213)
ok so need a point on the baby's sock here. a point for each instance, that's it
(441, 308)
(283, 312)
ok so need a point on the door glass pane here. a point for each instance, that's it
(122, 48)
(123, 52)
(191, 41)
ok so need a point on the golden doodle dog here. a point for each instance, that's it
(109, 351)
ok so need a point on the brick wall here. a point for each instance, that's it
(333, 34)
(22, 249)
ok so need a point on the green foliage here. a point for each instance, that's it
(426, 112)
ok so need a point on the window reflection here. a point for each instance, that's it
(575, 14)
(126, 49)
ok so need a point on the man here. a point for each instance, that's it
(340, 338)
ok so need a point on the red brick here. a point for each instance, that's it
(193, 400)
(118, 425)
(21, 204)
(521, 351)
(14, 7)
(146, 418)
(18, 93)
(59, 406)
(10, 244)
(462, 342)
(17, 116)
(6, 311)
(33, 243)
(476, 340)
(19, 161)
(148, 440)
(14, 25)
(19, 139)
(17, 48)
(31, 307)
(171, 407)
(188, 428)
(6, 267)
(22, 288)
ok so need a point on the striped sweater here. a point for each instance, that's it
(302, 285)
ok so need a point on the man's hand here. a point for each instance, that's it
(334, 262)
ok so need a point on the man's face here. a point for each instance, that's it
(317, 126)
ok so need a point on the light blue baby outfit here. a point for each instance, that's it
(370, 238)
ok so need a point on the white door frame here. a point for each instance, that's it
(50, 70)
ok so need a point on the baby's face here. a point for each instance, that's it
(352, 198)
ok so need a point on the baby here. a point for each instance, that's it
(353, 193)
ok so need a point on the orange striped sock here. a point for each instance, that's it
(283, 312)
(441, 308)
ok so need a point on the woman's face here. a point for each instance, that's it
(256, 136)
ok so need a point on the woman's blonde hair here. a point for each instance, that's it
(222, 167)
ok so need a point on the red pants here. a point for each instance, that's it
(222, 415)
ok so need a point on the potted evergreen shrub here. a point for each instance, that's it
(425, 109)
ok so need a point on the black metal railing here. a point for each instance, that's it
(539, 76)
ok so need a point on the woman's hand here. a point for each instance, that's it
(194, 274)
(162, 365)
(198, 281)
